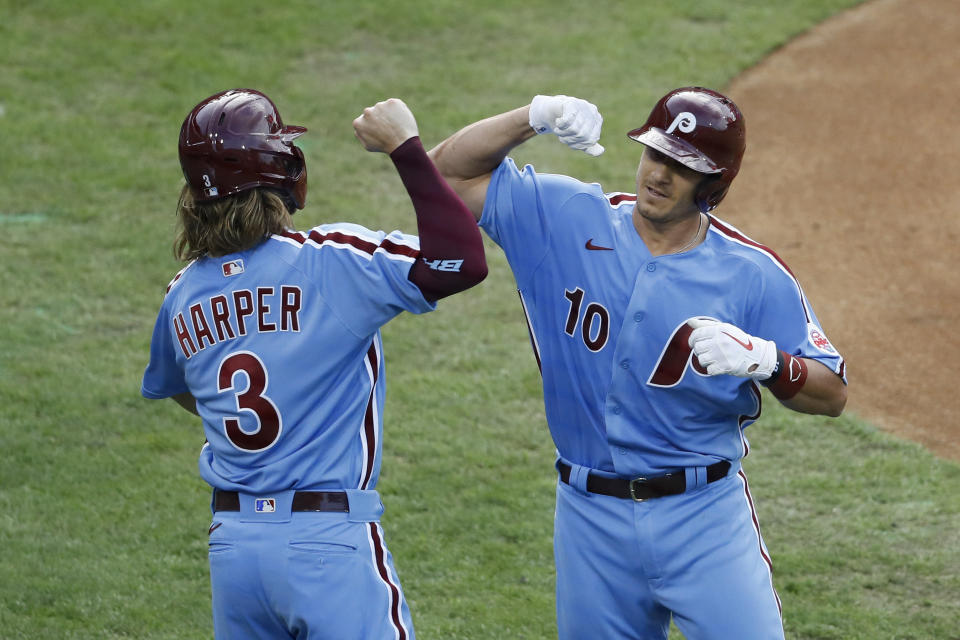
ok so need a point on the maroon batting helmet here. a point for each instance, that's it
(234, 141)
(701, 129)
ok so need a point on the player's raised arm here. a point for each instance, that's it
(451, 248)
(468, 157)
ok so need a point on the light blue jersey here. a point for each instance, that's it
(280, 345)
(606, 320)
(625, 398)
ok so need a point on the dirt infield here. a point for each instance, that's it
(853, 147)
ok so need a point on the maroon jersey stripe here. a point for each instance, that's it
(342, 238)
(744, 419)
(756, 392)
(175, 278)
(294, 235)
(533, 337)
(736, 235)
(756, 526)
(622, 197)
(369, 424)
(178, 276)
(380, 552)
(727, 231)
(354, 241)
(398, 249)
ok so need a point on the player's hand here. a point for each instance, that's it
(724, 349)
(575, 121)
(385, 126)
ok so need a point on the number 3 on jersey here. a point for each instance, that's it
(251, 399)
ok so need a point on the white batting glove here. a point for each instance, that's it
(724, 349)
(575, 122)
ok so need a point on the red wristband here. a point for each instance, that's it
(788, 377)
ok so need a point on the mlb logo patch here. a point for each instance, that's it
(819, 340)
(232, 268)
(264, 505)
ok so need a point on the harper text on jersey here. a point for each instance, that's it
(228, 316)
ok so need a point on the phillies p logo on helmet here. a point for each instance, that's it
(685, 121)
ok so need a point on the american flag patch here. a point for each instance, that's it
(232, 268)
(264, 505)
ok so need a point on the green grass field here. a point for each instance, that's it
(102, 513)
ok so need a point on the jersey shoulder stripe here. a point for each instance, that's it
(616, 198)
(179, 275)
(398, 249)
(732, 234)
(352, 241)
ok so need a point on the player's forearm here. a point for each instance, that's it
(823, 393)
(479, 148)
(451, 248)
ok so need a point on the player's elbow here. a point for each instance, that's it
(440, 284)
(823, 401)
(838, 402)
(829, 404)
(471, 269)
(472, 274)
(441, 160)
(476, 273)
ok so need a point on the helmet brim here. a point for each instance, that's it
(680, 150)
(291, 132)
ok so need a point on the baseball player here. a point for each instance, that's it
(654, 324)
(272, 337)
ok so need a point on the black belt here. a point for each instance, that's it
(644, 488)
(302, 501)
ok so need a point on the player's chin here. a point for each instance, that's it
(653, 210)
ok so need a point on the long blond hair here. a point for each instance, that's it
(228, 225)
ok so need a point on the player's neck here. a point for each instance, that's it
(664, 237)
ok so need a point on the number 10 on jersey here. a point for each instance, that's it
(595, 324)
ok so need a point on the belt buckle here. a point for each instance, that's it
(632, 485)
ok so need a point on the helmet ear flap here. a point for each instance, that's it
(295, 184)
(710, 192)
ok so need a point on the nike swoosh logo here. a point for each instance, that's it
(594, 247)
(748, 345)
